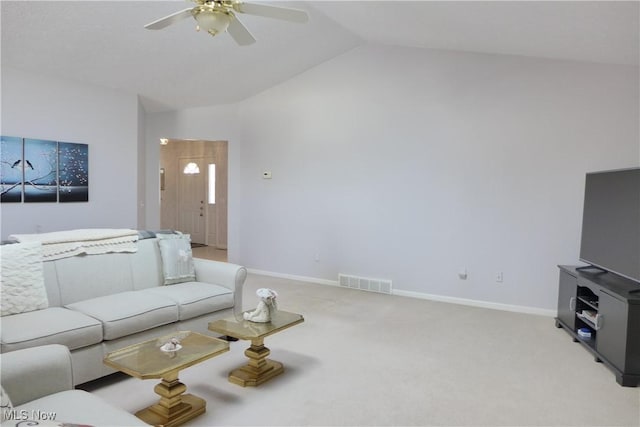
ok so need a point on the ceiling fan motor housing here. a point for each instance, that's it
(212, 19)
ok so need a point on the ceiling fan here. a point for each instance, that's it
(218, 16)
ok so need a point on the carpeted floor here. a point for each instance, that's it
(365, 359)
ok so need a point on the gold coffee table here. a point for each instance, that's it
(146, 360)
(259, 369)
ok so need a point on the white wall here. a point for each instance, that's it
(410, 164)
(399, 163)
(35, 106)
(142, 170)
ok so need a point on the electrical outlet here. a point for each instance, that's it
(499, 277)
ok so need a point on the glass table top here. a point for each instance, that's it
(246, 330)
(147, 360)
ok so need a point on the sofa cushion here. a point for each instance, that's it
(146, 265)
(54, 325)
(83, 277)
(126, 313)
(195, 298)
(21, 278)
(177, 258)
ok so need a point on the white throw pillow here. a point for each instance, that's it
(22, 278)
(177, 258)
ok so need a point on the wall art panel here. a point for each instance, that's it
(11, 169)
(73, 172)
(40, 165)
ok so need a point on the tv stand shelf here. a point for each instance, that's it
(608, 307)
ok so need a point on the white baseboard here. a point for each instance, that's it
(477, 303)
(293, 277)
(419, 295)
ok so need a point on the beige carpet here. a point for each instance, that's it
(365, 359)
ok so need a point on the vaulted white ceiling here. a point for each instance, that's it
(105, 43)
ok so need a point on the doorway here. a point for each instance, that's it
(193, 190)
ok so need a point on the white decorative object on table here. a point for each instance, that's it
(267, 306)
(172, 345)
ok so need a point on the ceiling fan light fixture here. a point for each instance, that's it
(213, 21)
(220, 16)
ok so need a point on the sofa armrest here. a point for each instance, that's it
(35, 372)
(231, 276)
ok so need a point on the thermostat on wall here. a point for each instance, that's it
(266, 174)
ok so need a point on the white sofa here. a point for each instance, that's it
(101, 303)
(39, 384)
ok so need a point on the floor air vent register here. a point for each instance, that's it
(365, 283)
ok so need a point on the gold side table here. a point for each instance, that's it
(146, 360)
(259, 369)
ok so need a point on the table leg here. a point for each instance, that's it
(174, 407)
(259, 369)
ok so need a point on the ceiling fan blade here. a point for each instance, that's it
(168, 20)
(240, 33)
(276, 12)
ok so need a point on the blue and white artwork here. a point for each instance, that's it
(40, 165)
(11, 169)
(38, 170)
(73, 172)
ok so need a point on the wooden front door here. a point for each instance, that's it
(192, 200)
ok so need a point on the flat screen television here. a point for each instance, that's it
(611, 222)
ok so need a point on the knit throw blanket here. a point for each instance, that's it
(63, 244)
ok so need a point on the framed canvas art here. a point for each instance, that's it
(39, 170)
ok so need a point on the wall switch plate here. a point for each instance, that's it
(499, 277)
(266, 174)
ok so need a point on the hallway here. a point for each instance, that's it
(210, 252)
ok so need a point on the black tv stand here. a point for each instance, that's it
(608, 307)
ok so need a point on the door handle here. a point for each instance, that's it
(572, 303)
